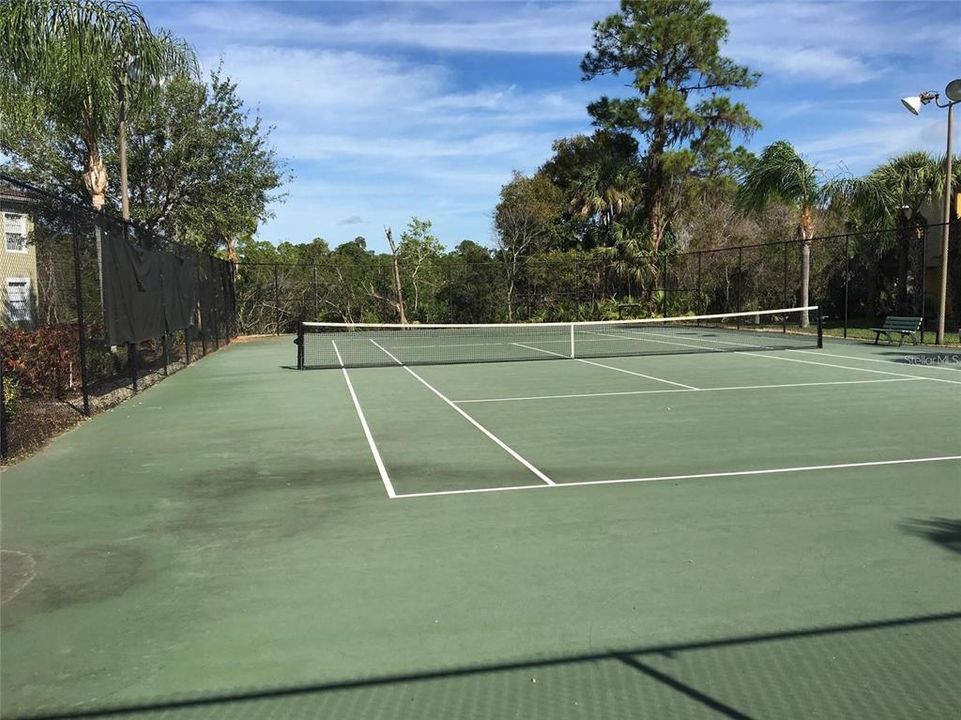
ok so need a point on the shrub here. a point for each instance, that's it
(42, 361)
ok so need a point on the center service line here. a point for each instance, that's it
(500, 443)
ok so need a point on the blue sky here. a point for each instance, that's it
(387, 110)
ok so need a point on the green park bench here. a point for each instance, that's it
(901, 325)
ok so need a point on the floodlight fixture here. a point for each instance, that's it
(914, 103)
(953, 90)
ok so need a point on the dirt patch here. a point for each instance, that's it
(85, 575)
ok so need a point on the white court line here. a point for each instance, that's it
(648, 335)
(631, 372)
(542, 350)
(500, 443)
(699, 390)
(848, 367)
(890, 362)
(385, 478)
(696, 476)
(608, 367)
(809, 362)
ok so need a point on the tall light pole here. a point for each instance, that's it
(914, 104)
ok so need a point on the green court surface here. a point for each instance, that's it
(736, 535)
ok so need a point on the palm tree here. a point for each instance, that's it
(893, 194)
(781, 174)
(900, 184)
(629, 258)
(76, 63)
(605, 192)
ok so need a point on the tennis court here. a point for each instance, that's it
(720, 529)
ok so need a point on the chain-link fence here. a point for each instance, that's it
(857, 279)
(59, 355)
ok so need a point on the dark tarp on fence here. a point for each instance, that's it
(146, 293)
(179, 289)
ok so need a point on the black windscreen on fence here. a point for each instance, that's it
(103, 308)
(146, 292)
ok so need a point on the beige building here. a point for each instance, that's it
(18, 260)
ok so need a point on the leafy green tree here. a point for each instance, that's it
(671, 49)
(473, 285)
(419, 251)
(780, 173)
(65, 66)
(526, 223)
(202, 166)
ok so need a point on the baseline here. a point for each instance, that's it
(888, 362)
(855, 369)
(695, 476)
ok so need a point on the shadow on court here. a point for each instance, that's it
(946, 532)
(804, 672)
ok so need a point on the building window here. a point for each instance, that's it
(18, 299)
(15, 230)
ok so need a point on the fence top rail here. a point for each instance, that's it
(76, 205)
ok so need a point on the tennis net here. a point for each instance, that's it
(334, 345)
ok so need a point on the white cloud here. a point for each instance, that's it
(840, 42)
(858, 148)
(502, 27)
(391, 110)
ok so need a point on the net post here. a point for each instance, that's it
(820, 321)
(81, 320)
(300, 345)
(572, 341)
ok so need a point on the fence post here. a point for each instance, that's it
(276, 302)
(231, 297)
(200, 311)
(81, 323)
(740, 281)
(577, 290)
(450, 292)
(700, 288)
(132, 361)
(847, 278)
(924, 244)
(784, 286)
(3, 414)
(210, 276)
(665, 310)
